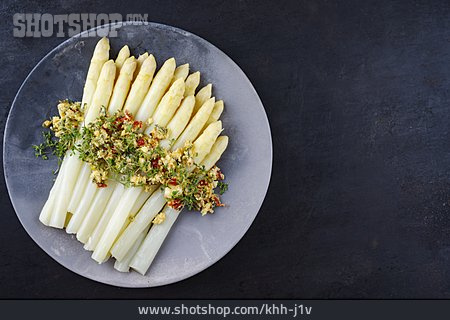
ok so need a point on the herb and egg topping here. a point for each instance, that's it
(116, 148)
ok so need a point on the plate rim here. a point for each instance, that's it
(160, 26)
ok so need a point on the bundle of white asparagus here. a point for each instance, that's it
(116, 220)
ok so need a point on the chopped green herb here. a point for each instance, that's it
(223, 187)
(116, 148)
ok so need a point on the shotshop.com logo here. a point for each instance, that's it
(38, 25)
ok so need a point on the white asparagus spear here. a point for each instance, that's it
(137, 206)
(181, 118)
(120, 92)
(85, 190)
(143, 196)
(105, 213)
(181, 72)
(122, 86)
(189, 134)
(140, 61)
(101, 98)
(216, 113)
(82, 208)
(179, 121)
(118, 97)
(140, 85)
(99, 57)
(122, 56)
(97, 218)
(124, 265)
(202, 96)
(163, 113)
(93, 215)
(103, 92)
(153, 241)
(157, 89)
(176, 125)
(168, 105)
(202, 146)
(136, 95)
(95, 236)
(152, 206)
(140, 202)
(157, 234)
(192, 83)
(116, 222)
(196, 125)
(216, 152)
(80, 186)
(45, 215)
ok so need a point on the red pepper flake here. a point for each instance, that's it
(173, 181)
(219, 175)
(155, 163)
(137, 124)
(140, 142)
(218, 203)
(118, 123)
(128, 115)
(101, 185)
(176, 204)
(120, 119)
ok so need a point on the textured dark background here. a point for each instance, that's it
(357, 96)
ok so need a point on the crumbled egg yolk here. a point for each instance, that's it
(160, 218)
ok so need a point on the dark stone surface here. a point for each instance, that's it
(356, 94)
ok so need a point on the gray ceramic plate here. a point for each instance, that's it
(195, 242)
